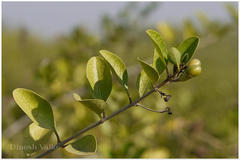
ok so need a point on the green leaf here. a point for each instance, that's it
(36, 108)
(117, 65)
(99, 77)
(35, 138)
(143, 83)
(175, 56)
(158, 42)
(149, 70)
(83, 146)
(36, 132)
(95, 105)
(158, 62)
(188, 48)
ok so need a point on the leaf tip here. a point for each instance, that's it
(102, 51)
(76, 97)
(16, 92)
(139, 59)
(148, 31)
(196, 37)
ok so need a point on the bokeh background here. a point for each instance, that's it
(45, 48)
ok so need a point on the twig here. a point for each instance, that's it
(129, 97)
(57, 136)
(61, 144)
(166, 96)
(140, 105)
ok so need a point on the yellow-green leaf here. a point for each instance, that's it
(35, 138)
(159, 62)
(143, 83)
(117, 65)
(175, 56)
(37, 132)
(36, 107)
(95, 105)
(83, 146)
(77, 97)
(99, 77)
(158, 42)
(149, 70)
(187, 49)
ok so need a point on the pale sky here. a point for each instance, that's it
(51, 19)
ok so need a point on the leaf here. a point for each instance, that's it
(36, 108)
(158, 62)
(188, 47)
(36, 132)
(143, 83)
(76, 97)
(175, 56)
(149, 70)
(83, 146)
(99, 77)
(117, 65)
(35, 138)
(167, 32)
(95, 105)
(158, 42)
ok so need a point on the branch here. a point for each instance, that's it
(134, 103)
(166, 96)
(140, 105)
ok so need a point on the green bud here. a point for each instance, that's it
(195, 61)
(194, 70)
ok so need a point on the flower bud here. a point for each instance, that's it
(195, 61)
(194, 70)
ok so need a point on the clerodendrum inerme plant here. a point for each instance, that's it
(175, 62)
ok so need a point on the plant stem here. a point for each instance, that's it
(167, 71)
(57, 136)
(140, 105)
(62, 143)
(128, 94)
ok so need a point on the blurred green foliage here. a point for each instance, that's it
(205, 109)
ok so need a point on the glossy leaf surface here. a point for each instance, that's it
(158, 42)
(117, 65)
(83, 146)
(36, 107)
(99, 77)
(175, 56)
(149, 70)
(187, 49)
(159, 62)
(143, 83)
(95, 105)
